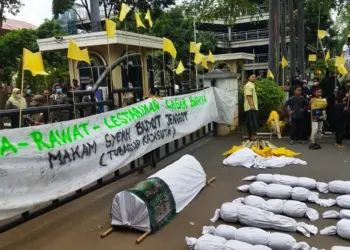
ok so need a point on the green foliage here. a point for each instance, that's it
(60, 6)
(270, 97)
(9, 6)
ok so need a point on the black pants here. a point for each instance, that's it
(252, 119)
(306, 126)
(297, 129)
(339, 128)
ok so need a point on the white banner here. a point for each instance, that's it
(44, 163)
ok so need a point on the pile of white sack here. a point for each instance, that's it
(340, 248)
(255, 217)
(343, 214)
(247, 158)
(210, 242)
(295, 209)
(292, 181)
(279, 191)
(342, 229)
(336, 187)
(256, 236)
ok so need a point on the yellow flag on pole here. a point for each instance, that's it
(342, 70)
(169, 47)
(198, 58)
(180, 68)
(33, 62)
(328, 56)
(148, 17)
(75, 53)
(321, 34)
(123, 12)
(139, 23)
(195, 47)
(269, 74)
(339, 60)
(312, 58)
(110, 28)
(204, 62)
(284, 62)
(211, 57)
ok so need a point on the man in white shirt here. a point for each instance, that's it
(346, 51)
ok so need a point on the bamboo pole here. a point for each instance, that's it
(73, 90)
(20, 108)
(144, 236)
(106, 233)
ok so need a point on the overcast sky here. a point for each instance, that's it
(34, 11)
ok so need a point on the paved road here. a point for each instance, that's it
(76, 225)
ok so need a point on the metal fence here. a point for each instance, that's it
(148, 160)
(241, 35)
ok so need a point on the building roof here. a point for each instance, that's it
(12, 24)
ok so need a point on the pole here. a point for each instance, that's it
(20, 108)
(283, 78)
(75, 114)
(164, 67)
(318, 24)
(195, 40)
(126, 48)
(324, 55)
(174, 75)
(254, 61)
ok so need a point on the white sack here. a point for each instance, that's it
(256, 217)
(340, 248)
(292, 181)
(342, 229)
(258, 188)
(247, 158)
(185, 178)
(339, 187)
(278, 191)
(343, 201)
(275, 241)
(343, 214)
(293, 209)
(225, 231)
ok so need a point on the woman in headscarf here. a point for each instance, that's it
(16, 101)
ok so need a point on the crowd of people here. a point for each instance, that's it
(57, 96)
(312, 110)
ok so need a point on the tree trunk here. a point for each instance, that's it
(292, 46)
(284, 34)
(2, 7)
(301, 43)
(95, 16)
(274, 37)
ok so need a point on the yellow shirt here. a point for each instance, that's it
(249, 90)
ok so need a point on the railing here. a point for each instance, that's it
(259, 58)
(242, 35)
(82, 13)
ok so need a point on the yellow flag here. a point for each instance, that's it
(328, 56)
(204, 62)
(180, 68)
(195, 47)
(198, 58)
(270, 75)
(339, 60)
(342, 70)
(211, 57)
(75, 53)
(169, 47)
(33, 62)
(321, 34)
(148, 17)
(123, 12)
(284, 62)
(139, 23)
(312, 58)
(110, 28)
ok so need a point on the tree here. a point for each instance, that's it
(11, 6)
(274, 37)
(292, 38)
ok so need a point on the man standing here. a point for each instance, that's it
(251, 107)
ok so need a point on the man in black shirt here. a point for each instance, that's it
(296, 106)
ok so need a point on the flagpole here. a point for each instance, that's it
(109, 64)
(195, 40)
(189, 72)
(127, 52)
(174, 76)
(20, 106)
(324, 55)
(73, 91)
(164, 68)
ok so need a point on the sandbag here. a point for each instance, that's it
(256, 217)
(253, 236)
(292, 181)
(343, 214)
(210, 242)
(278, 191)
(340, 248)
(339, 187)
(342, 229)
(293, 209)
(343, 201)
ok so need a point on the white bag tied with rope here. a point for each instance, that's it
(211, 242)
(292, 181)
(171, 190)
(342, 201)
(342, 229)
(249, 159)
(257, 236)
(295, 209)
(256, 217)
(343, 214)
(279, 191)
